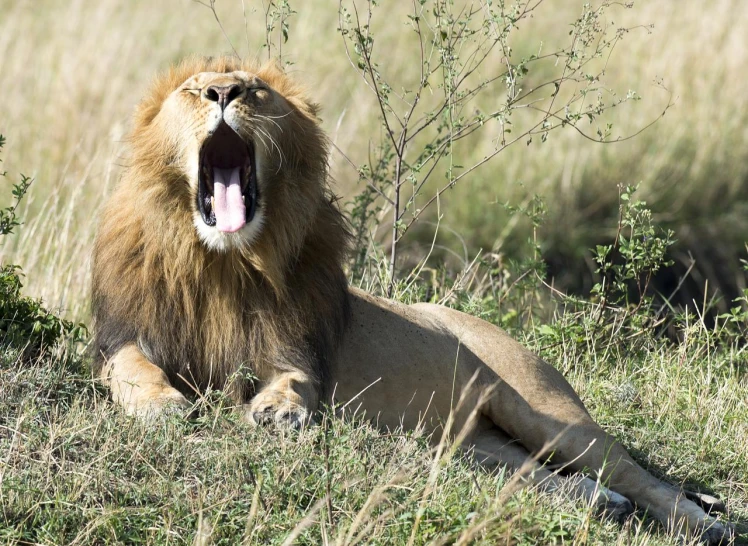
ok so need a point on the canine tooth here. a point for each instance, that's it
(213, 203)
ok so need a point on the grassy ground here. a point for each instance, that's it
(74, 470)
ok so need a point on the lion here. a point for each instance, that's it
(218, 264)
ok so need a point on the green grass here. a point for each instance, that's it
(75, 470)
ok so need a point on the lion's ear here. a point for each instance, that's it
(314, 108)
(273, 72)
(307, 107)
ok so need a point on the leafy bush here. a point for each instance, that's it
(470, 90)
(25, 324)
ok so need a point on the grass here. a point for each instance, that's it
(65, 116)
(74, 470)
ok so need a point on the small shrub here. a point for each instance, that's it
(25, 324)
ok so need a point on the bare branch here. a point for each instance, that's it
(211, 5)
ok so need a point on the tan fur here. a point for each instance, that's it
(169, 310)
(138, 385)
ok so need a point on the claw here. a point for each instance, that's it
(288, 418)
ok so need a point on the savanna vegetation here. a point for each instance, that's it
(464, 150)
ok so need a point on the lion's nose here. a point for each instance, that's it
(223, 95)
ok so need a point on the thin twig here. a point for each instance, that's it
(211, 5)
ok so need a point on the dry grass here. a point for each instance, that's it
(72, 71)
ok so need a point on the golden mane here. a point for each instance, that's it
(201, 315)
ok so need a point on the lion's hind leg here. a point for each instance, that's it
(492, 447)
(534, 403)
(139, 386)
(586, 448)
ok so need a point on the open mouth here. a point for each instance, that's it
(227, 181)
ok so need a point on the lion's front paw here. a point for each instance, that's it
(275, 407)
(156, 405)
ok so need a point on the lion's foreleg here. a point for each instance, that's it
(288, 398)
(138, 385)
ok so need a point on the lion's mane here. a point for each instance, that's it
(202, 315)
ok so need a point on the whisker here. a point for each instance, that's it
(274, 144)
(274, 117)
(271, 120)
(258, 136)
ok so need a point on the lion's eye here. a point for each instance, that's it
(258, 91)
(194, 91)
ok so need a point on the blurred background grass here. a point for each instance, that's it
(72, 71)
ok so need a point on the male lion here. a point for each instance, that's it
(221, 251)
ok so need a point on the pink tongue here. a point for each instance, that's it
(229, 207)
